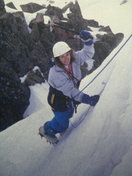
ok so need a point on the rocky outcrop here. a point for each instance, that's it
(54, 11)
(31, 7)
(14, 96)
(75, 18)
(14, 45)
(34, 76)
(105, 45)
(11, 5)
(14, 62)
(2, 7)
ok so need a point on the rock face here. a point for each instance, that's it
(14, 96)
(2, 7)
(105, 45)
(14, 45)
(11, 5)
(14, 62)
(31, 7)
(23, 47)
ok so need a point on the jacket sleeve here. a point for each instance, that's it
(85, 54)
(61, 82)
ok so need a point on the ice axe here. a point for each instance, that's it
(69, 32)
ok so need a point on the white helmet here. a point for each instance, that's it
(60, 48)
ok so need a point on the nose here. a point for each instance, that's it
(65, 55)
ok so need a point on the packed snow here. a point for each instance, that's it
(101, 145)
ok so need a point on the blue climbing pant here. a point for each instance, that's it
(59, 123)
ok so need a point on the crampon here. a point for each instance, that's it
(52, 139)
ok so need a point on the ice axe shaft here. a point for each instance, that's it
(66, 29)
(71, 33)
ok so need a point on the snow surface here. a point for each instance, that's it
(102, 144)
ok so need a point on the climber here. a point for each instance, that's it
(64, 79)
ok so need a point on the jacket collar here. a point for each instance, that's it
(58, 69)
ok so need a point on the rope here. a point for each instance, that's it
(105, 65)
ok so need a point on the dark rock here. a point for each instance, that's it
(31, 7)
(6, 68)
(33, 77)
(54, 11)
(40, 34)
(11, 5)
(110, 39)
(75, 17)
(14, 45)
(106, 29)
(118, 38)
(21, 23)
(113, 39)
(92, 23)
(67, 6)
(38, 20)
(75, 8)
(2, 7)
(40, 57)
(102, 50)
(35, 34)
(14, 96)
(34, 25)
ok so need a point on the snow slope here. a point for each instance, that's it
(100, 146)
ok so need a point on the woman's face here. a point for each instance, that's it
(65, 58)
